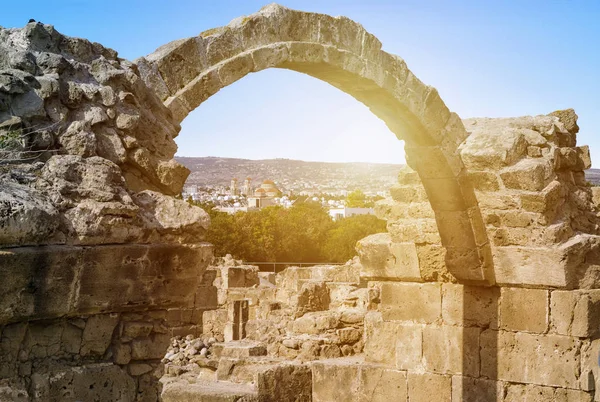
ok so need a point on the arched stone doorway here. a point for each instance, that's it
(340, 52)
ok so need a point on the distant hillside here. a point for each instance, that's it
(291, 174)
(296, 174)
(593, 176)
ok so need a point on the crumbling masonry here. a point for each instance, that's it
(486, 286)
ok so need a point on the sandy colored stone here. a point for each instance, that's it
(451, 350)
(379, 384)
(420, 303)
(575, 313)
(528, 174)
(470, 305)
(524, 310)
(381, 258)
(536, 393)
(550, 360)
(429, 387)
(468, 389)
(98, 333)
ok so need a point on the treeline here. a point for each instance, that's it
(303, 233)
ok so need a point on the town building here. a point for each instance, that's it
(265, 195)
(345, 212)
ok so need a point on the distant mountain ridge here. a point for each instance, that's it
(294, 174)
(593, 176)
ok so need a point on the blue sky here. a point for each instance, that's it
(486, 58)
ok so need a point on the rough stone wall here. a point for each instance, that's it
(86, 101)
(91, 323)
(536, 207)
(534, 335)
(95, 253)
(301, 313)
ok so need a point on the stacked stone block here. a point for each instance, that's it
(83, 323)
(485, 340)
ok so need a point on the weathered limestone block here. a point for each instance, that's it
(468, 389)
(408, 193)
(484, 181)
(152, 347)
(408, 176)
(242, 350)
(380, 384)
(541, 266)
(284, 383)
(315, 322)
(550, 360)
(429, 387)
(43, 340)
(352, 380)
(528, 174)
(432, 263)
(122, 354)
(183, 49)
(213, 322)
(172, 217)
(239, 277)
(545, 201)
(288, 282)
(409, 347)
(414, 230)
(590, 370)
(470, 305)
(575, 313)
(133, 279)
(49, 271)
(10, 345)
(137, 329)
(536, 393)
(98, 333)
(490, 149)
(393, 344)
(378, 335)
(71, 338)
(313, 296)
(337, 273)
(103, 381)
(24, 217)
(419, 303)
(335, 382)
(524, 310)
(451, 350)
(380, 258)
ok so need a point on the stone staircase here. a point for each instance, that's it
(240, 371)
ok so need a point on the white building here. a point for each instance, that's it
(345, 212)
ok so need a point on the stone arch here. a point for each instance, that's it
(339, 51)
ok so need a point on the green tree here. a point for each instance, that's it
(302, 232)
(356, 199)
(341, 240)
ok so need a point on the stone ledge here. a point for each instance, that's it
(55, 281)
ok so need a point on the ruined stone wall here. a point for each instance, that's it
(532, 336)
(95, 253)
(91, 323)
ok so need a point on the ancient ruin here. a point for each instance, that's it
(486, 286)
